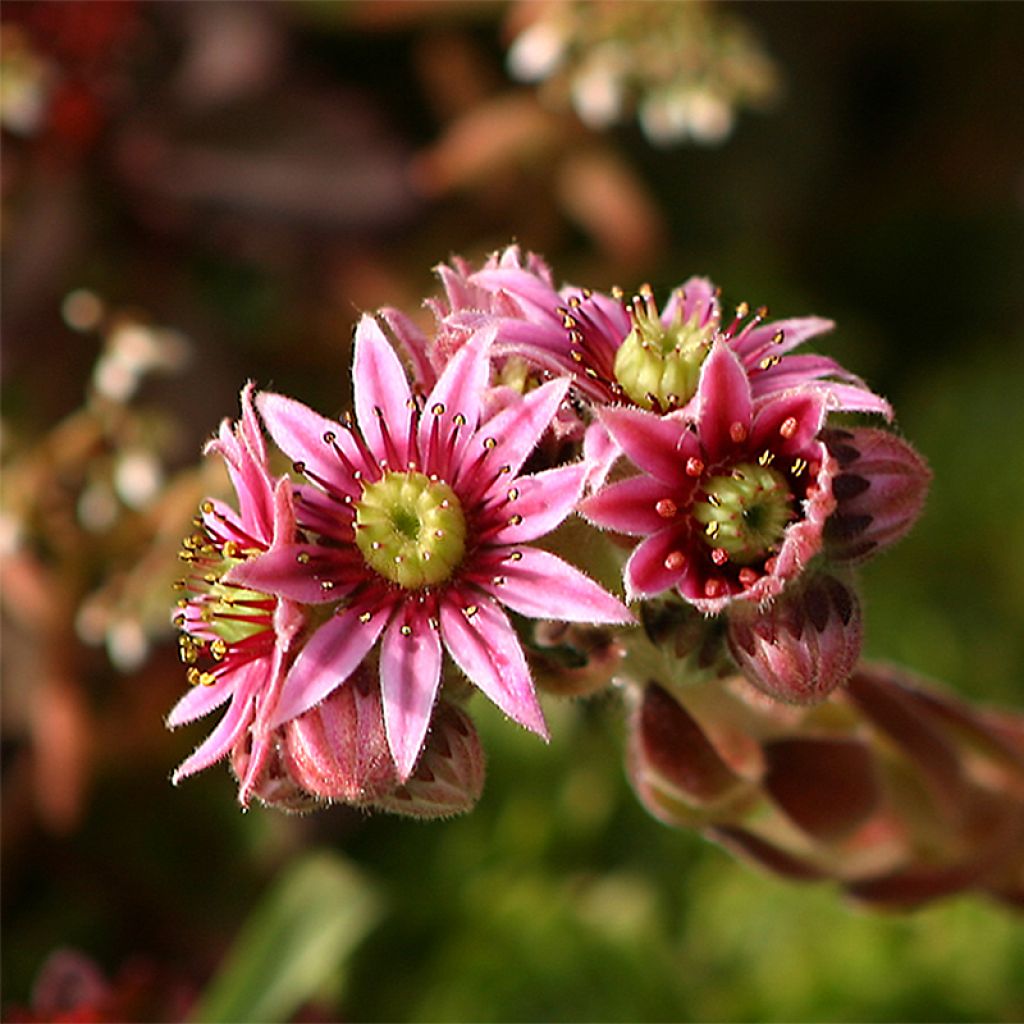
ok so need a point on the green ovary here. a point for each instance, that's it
(227, 603)
(746, 512)
(659, 366)
(410, 529)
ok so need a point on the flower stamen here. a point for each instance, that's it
(744, 514)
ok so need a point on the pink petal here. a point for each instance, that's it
(533, 294)
(698, 297)
(629, 506)
(264, 739)
(796, 370)
(723, 402)
(609, 317)
(410, 671)
(220, 741)
(545, 345)
(199, 701)
(756, 343)
(600, 453)
(381, 392)
(290, 620)
(225, 443)
(315, 511)
(651, 442)
(299, 432)
(544, 500)
(456, 286)
(328, 659)
(852, 395)
(851, 398)
(249, 431)
(223, 519)
(485, 646)
(281, 571)
(414, 344)
(788, 422)
(645, 573)
(241, 446)
(541, 586)
(284, 512)
(518, 428)
(458, 393)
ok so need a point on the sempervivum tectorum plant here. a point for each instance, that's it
(422, 522)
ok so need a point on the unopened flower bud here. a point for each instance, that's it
(827, 785)
(275, 786)
(338, 749)
(676, 772)
(804, 645)
(449, 776)
(879, 490)
(574, 659)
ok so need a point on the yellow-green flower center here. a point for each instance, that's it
(229, 606)
(745, 513)
(232, 612)
(658, 366)
(410, 529)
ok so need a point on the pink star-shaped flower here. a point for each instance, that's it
(423, 522)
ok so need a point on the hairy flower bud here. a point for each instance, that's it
(449, 776)
(827, 785)
(804, 645)
(880, 491)
(338, 750)
(274, 786)
(676, 772)
(573, 659)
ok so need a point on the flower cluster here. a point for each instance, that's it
(348, 610)
(325, 605)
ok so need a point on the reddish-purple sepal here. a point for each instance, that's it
(880, 491)
(449, 776)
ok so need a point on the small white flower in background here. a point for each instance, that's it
(675, 115)
(599, 87)
(537, 51)
(138, 477)
(685, 69)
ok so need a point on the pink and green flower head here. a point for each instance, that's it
(624, 350)
(236, 641)
(422, 522)
(464, 308)
(730, 505)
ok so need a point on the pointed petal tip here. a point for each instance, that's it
(537, 724)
